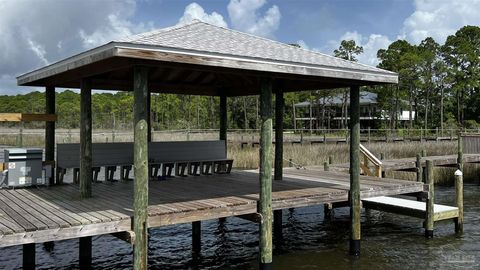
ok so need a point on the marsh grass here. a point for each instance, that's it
(247, 157)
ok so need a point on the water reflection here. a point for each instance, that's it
(309, 242)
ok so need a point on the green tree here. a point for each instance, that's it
(348, 50)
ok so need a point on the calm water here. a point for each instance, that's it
(310, 242)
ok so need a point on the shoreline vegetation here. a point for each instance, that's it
(246, 157)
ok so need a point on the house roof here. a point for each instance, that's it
(222, 57)
(366, 98)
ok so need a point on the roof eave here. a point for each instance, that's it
(78, 60)
(166, 54)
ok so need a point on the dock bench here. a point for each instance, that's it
(181, 158)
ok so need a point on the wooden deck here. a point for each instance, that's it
(409, 164)
(43, 214)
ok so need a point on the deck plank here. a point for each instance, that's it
(173, 201)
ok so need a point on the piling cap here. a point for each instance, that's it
(458, 173)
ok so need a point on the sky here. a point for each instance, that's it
(35, 33)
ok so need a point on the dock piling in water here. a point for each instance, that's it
(85, 252)
(354, 194)
(265, 201)
(429, 216)
(29, 256)
(140, 156)
(459, 200)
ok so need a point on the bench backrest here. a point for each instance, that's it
(187, 151)
(68, 154)
(471, 143)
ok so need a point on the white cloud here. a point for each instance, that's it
(34, 33)
(195, 12)
(245, 16)
(371, 44)
(439, 19)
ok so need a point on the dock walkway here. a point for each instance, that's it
(409, 164)
(44, 214)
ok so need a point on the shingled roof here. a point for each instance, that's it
(209, 49)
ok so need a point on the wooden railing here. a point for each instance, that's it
(368, 158)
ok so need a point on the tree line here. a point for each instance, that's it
(438, 83)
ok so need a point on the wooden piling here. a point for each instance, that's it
(459, 200)
(419, 168)
(354, 193)
(430, 201)
(50, 130)
(325, 166)
(86, 139)
(29, 256)
(265, 203)
(85, 252)
(140, 86)
(149, 116)
(382, 156)
(223, 118)
(460, 152)
(278, 167)
(196, 237)
(278, 224)
(424, 153)
(330, 159)
(279, 109)
(328, 207)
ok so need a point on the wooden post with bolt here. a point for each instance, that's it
(140, 157)
(265, 202)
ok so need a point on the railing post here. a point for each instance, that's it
(429, 222)
(459, 200)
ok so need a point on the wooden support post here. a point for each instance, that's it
(265, 203)
(279, 108)
(354, 199)
(223, 129)
(459, 201)
(424, 153)
(140, 156)
(430, 201)
(328, 207)
(368, 134)
(278, 224)
(196, 237)
(278, 173)
(149, 116)
(86, 139)
(29, 256)
(460, 153)
(85, 252)
(325, 166)
(330, 159)
(50, 130)
(382, 156)
(418, 164)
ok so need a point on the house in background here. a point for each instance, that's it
(331, 112)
